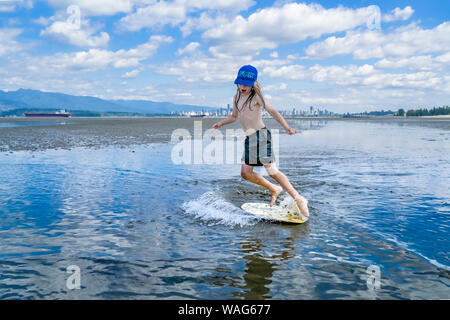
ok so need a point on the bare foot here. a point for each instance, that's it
(275, 194)
(302, 204)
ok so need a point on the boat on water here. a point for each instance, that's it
(58, 114)
(198, 115)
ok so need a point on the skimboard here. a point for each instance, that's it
(274, 213)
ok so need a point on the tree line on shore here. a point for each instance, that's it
(436, 111)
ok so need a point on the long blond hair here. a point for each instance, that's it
(256, 89)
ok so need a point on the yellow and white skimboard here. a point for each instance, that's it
(277, 213)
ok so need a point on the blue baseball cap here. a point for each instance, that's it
(247, 76)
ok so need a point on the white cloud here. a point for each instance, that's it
(422, 63)
(6, 7)
(291, 72)
(71, 72)
(344, 76)
(363, 76)
(184, 94)
(356, 99)
(402, 42)
(276, 87)
(207, 69)
(95, 7)
(309, 100)
(227, 5)
(399, 14)
(7, 42)
(437, 64)
(421, 80)
(125, 62)
(200, 69)
(82, 35)
(146, 93)
(444, 58)
(131, 74)
(12, 5)
(203, 22)
(362, 44)
(43, 21)
(94, 59)
(157, 14)
(147, 49)
(270, 27)
(189, 49)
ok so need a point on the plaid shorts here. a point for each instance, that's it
(258, 148)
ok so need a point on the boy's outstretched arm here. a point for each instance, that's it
(230, 119)
(277, 116)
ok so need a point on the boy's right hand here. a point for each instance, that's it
(216, 125)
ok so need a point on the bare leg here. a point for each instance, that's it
(278, 176)
(248, 174)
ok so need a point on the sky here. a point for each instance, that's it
(343, 56)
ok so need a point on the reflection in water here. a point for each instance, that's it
(263, 253)
(261, 262)
(258, 272)
(308, 124)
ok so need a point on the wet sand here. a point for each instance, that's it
(17, 133)
(87, 132)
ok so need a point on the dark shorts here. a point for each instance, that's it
(258, 148)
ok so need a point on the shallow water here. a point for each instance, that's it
(140, 227)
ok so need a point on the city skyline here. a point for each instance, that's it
(228, 110)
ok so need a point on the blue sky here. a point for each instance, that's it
(345, 56)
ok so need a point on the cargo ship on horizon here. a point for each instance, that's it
(58, 114)
(198, 115)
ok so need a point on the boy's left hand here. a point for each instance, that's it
(291, 131)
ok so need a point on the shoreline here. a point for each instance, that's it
(25, 119)
(447, 116)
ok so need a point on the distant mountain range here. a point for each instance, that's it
(35, 99)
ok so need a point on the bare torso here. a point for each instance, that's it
(250, 118)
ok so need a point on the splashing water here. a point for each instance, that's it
(212, 208)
